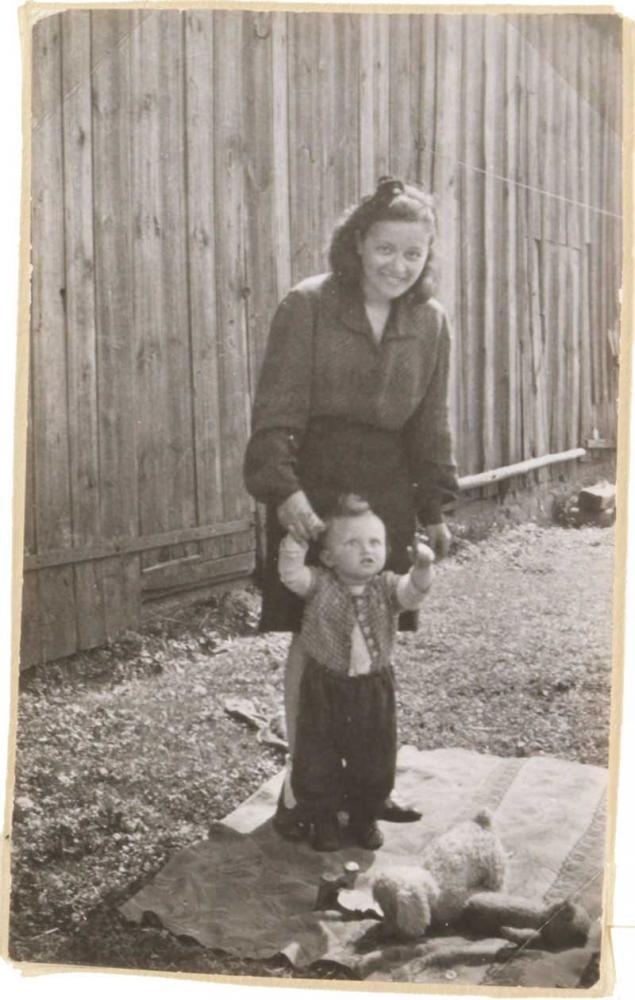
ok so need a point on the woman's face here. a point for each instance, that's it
(393, 255)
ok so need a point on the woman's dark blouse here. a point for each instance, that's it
(322, 361)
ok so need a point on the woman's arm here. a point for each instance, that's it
(429, 442)
(281, 404)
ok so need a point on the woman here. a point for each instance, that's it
(352, 398)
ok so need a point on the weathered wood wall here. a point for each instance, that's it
(188, 168)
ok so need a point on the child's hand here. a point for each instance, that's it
(420, 553)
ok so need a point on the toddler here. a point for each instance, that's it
(346, 740)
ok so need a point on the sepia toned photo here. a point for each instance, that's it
(318, 662)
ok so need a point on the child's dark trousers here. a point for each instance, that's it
(346, 741)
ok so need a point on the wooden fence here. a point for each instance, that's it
(187, 168)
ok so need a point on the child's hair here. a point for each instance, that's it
(345, 505)
(393, 201)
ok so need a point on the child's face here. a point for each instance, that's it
(355, 547)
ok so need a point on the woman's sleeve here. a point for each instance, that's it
(281, 404)
(429, 441)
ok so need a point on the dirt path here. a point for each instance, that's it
(126, 754)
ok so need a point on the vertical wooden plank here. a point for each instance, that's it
(544, 213)
(30, 534)
(49, 292)
(48, 318)
(417, 70)
(402, 76)
(540, 206)
(584, 128)
(446, 179)
(201, 222)
(586, 389)
(510, 222)
(265, 122)
(616, 260)
(563, 328)
(367, 104)
(541, 263)
(584, 189)
(537, 117)
(336, 126)
(537, 98)
(281, 235)
(416, 64)
(229, 230)
(382, 95)
(121, 589)
(605, 185)
(427, 98)
(606, 278)
(547, 341)
(115, 326)
(32, 631)
(572, 191)
(495, 407)
(80, 317)
(323, 173)
(31, 625)
(595, 276)
(258, 125)
(174, 256)
(572, 349)
(58, 612)
(344, 138)
(303, 141)
(145, 189)
(525, 248)
(469, 351)
(574, 230)
(616, 264)
(165, 441)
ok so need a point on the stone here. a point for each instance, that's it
(600, 496)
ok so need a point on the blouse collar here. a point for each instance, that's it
(349, 307)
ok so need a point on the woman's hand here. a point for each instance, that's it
(296, 515)
(439, 537)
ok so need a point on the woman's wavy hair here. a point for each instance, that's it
(393, 201)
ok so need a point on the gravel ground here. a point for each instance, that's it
(127, 753)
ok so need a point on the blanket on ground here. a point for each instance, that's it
(248, 892)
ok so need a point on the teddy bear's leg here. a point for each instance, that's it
(520, 935)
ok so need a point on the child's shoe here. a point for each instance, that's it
(394, 812)
(289, 822)
(365, 832)
(326, 832)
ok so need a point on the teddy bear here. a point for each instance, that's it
(460, 883)
(466, 859)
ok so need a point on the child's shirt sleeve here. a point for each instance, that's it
(295, 575)
(405, 593)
